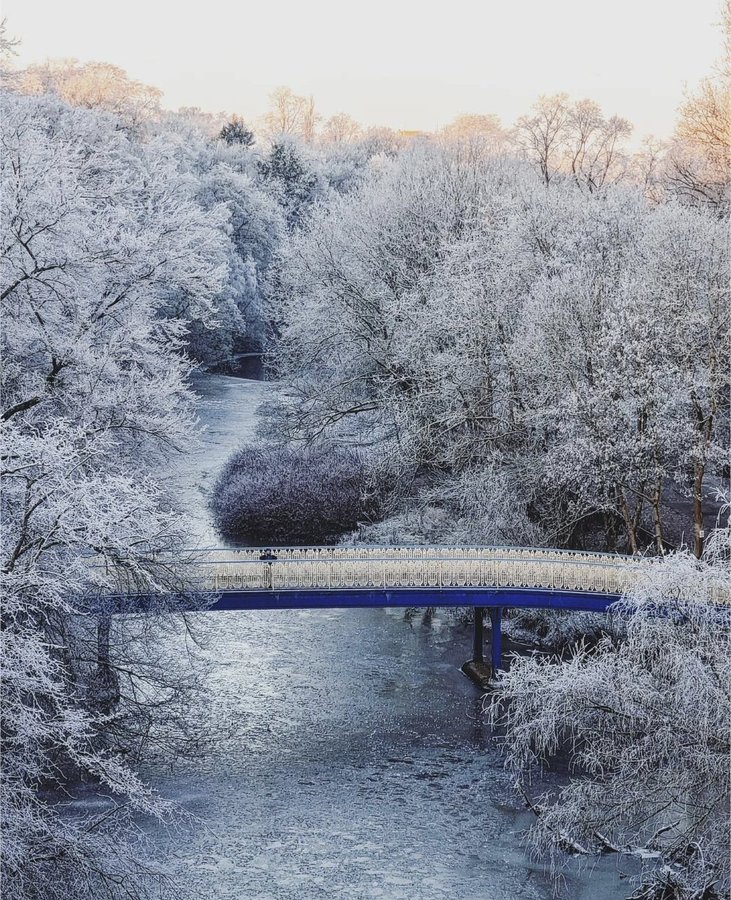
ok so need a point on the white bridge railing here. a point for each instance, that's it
(343, 568)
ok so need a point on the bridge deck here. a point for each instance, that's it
(428, 576)
(408, 576)
(350, 577)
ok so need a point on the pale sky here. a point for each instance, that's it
(403, 63)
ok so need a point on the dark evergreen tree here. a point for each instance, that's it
(237, 132)
(296, 183)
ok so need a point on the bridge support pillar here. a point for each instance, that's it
(477, 635)
(496, 637)
(477, 669)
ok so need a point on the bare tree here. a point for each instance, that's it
(574, 139)
(291, 114)
(541, 135)
(647, 168)
(699, 162)
(341, 129)
(593, 144)
(8, 75)
(310, 119)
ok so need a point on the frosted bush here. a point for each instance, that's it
(290, 496)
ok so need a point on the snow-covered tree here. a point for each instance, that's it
(462, 317)
(98, 234)
(645, 720)
(222, 174)
(236, 131)
(225, 178)
(292, 179)
(94, 85)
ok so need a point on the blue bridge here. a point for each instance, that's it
(488, 579)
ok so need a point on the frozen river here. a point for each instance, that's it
(227, 409)
(360, 766)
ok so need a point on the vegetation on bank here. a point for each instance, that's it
(644, 716)
(532, 364)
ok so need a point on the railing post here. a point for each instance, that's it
(496, 637)
(477, 641)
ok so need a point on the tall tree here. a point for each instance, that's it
(291, 115)
(574, 138)
(699, 160)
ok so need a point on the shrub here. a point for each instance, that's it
(284, 495)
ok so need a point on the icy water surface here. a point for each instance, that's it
(359, 765)
(227, 410)
(363, 769)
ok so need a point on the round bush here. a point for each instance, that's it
(292, 496)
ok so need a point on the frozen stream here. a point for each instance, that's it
(361, 767)
(227, 408)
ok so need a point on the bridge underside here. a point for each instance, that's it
(494, 600)
(358, 598)
(491, 600)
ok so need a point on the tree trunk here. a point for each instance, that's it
(105, 682)
(698, 532)
(704, 424)
(610, 530)
(657, 518)
(629, 521)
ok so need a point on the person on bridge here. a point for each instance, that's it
(268, 556)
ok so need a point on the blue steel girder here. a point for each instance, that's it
(355, 598)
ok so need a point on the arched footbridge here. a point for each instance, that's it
(486, 578)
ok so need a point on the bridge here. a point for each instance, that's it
(490, 579)
(485, 578)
